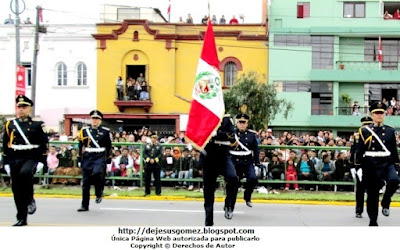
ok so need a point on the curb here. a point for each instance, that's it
(219, 199)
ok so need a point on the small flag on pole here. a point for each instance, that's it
(41, 14)
(169, 8)
(380, 53)
(207, 107)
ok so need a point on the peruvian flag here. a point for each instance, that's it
(207, 107)
(380, 53)
(169, 8)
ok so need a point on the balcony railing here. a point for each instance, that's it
(350, 111)
(133, 100)
(365, 66)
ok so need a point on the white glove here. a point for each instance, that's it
(214, 133)
(7, 168)
(39, 167)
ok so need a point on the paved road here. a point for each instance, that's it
(111, 212)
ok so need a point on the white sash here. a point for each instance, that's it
(91, 138)
(28, 145)
(377, 154)
(241, 153)
(21, 132)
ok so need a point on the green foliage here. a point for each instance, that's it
(346, 99)
(258, 98)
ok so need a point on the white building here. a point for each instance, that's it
(66, 70)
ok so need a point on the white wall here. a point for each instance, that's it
(70, 44)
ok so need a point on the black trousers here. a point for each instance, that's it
(214, 164)
(245, 168)
(89, 178)
(360, 191)
(22, 171)
(155, 170)
(376, 173)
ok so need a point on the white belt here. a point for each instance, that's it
(227, 143)
(95, 150)
(24, 147)
(240, 153)
(377, 154)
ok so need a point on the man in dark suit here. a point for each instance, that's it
(24, 150)
(94, 150)
(377, 154)
(152, 155)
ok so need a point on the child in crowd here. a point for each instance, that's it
(291, 175)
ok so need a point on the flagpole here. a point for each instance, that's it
(209, 10)
(380, 53)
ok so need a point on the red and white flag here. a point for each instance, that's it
(207, 107)
(169, 8)
(380, 53)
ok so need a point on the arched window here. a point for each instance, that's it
(230, 72)
(61, 74)
(81, 75)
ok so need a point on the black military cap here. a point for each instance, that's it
(22, 100)
(242, 117)
(366, 120)
(377, 107)
(96, 114)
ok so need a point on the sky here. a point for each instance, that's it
(87, 11)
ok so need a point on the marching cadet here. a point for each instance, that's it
(152, 156)
(377, 154)
(215, 160)
(94, 149)
(25, 150)
(360, 189)
(245, 155)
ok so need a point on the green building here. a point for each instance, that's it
(324, 50)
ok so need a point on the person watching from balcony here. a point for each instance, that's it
(140, 78)
(130, 89)
(385, 101)
(393, 102)
(355, 108)
(120, 88)
(396, 14)
(233, 20)
(222, 20)
(204, 20)
(189, 19)
(387, 15)
(137, 88)
(144, 94)
(214, 19)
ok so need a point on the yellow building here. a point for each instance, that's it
(167, 54)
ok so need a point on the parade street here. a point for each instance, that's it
(113, 212)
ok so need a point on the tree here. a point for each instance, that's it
(255, 97)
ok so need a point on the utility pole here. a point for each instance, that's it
(17, 42)
(34, 62)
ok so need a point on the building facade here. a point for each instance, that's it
(323, 53)
(167, 55)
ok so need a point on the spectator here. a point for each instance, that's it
(262, 169)
(137, 89)
(214, 19)
(387, 15)
(180, 20)
(356, 108)
(9, 20)
(276, 172)
(269, 134)
(168, 165)
(233, 21)
(189, 19)
(144, 94)
(396, 15)
(140, 78)
(204, 20)
(306, 169)
(184, 168)
(194, 167)
(325, 168)
(222, 20)
(28, 21)
(52, 160)
(120, 88)
(130, 92)
(291, 175)
(385, 102)
(342, 166)
(393, 104)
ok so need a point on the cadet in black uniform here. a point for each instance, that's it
(152, 156)
(215, 160)
(245, 155)
(24, 146)
(360, 189)
(94, 149)
(377, 154)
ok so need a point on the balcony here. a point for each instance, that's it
(134, 101)
(349, 111)
(358, 71)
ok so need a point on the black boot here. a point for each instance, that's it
(209, 217)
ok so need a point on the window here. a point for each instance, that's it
(61, 74)
(230, 72)
(28, 74)
(322, 52)
(353, 10)
(303, 10)
(81, 76)
(321, 98)
(390, 52)
(136, 36)
(292, 40)
(291, 86)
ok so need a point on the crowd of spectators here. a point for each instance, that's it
(134, 89)
(393, 107)
(214, 20)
